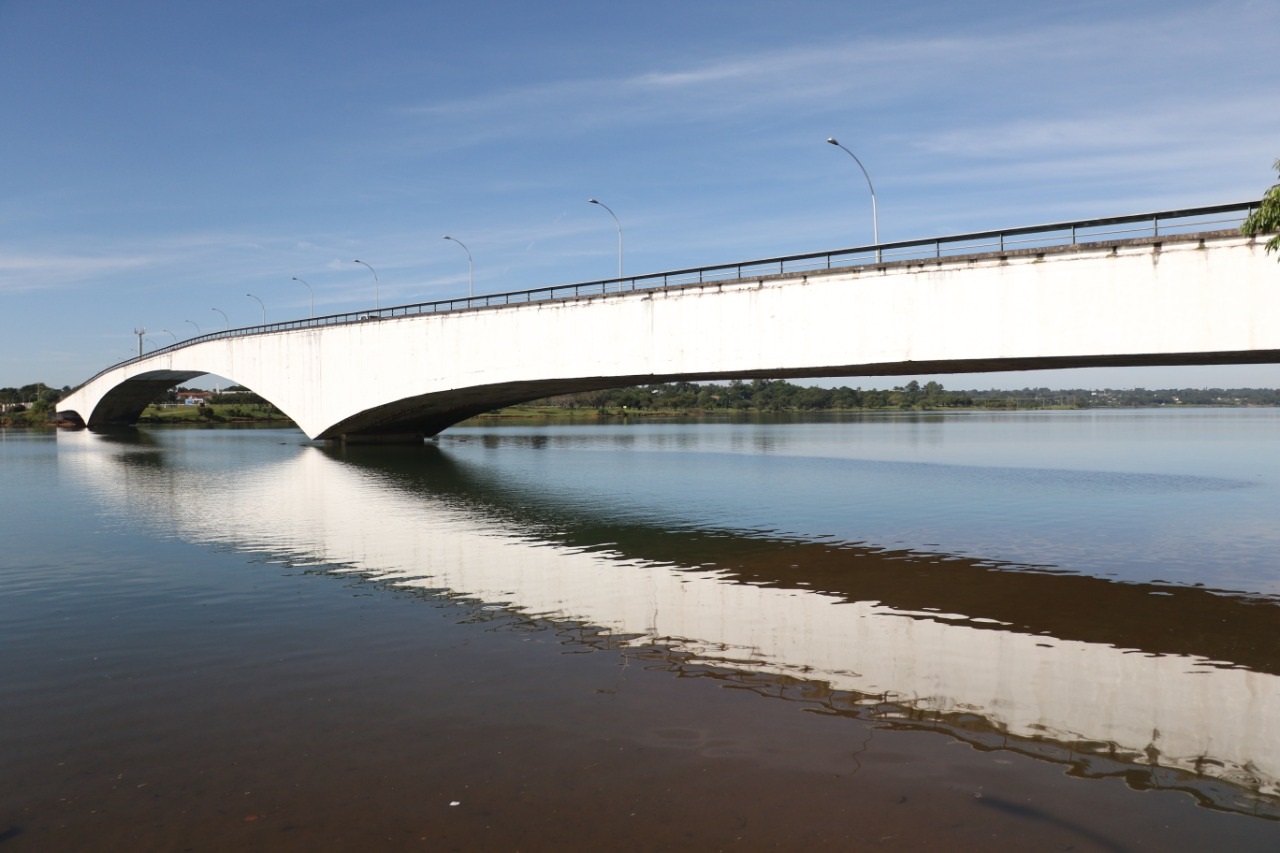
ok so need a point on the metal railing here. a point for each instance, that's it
(1082, 232)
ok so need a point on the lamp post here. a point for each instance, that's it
(619, 224)
(377, 304)
(194, 323)
(875, 221)
(264, 308)
(224, 317)
(139, 332)
(471, 269)
(170, 334)
(313, 296)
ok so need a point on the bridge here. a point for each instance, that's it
(1171, 288)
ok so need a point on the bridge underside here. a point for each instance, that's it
(427, 415)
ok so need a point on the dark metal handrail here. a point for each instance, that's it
(1080, 232)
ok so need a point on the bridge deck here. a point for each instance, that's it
(969, 304)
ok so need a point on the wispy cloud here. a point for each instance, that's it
(21, 273)
(184, 255)
(1149, 127)
(1060, 71)
(797, 77)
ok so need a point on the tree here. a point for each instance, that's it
(1266, 219)
(814, 397)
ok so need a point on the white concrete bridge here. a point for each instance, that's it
(1177, 287)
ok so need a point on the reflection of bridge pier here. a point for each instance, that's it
(883, 640)
(1198, 298)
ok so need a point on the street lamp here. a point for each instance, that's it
(313, 296)
(875, 221)
(139, 332)
(224, 316)
(194, 323)
(377, 304)
(471, 269)
(170, 334)
(264, 308)
(619, 224)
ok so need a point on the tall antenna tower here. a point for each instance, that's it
(139, 333)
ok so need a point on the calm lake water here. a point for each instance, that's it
(1010, 631)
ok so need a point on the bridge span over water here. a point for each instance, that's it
(1176, 287)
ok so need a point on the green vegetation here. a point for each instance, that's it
(236, 404)
(765, 395)
(1266, 219)
(30, 405)
(760, 395)
(212, 413)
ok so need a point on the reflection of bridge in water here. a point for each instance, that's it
(998, 657)
(1158, 288)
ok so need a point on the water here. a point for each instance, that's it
(971, 631)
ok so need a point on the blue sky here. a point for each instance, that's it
(164, 159)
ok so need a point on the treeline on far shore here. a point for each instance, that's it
(36, 404)
(776, 395)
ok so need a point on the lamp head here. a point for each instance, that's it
(832, 140)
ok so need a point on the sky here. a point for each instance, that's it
(162, 160)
